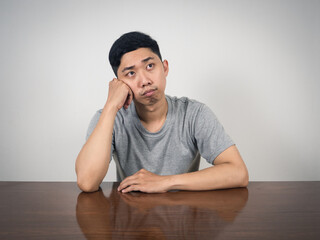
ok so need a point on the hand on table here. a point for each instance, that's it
(145, 181)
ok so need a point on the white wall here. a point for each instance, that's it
(255, 63)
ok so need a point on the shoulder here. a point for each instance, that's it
(191, 112)
(185, 103)
(93, 123)
(195, 112)
(95, 118)
(191, 109)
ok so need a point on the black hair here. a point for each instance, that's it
(129, 42)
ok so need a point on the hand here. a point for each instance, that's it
(145, 181)
(120, 95)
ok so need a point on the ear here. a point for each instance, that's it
(165, 67)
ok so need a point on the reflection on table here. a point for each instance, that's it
(174, 215)
(58, 210)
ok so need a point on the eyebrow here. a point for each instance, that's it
(143, 60)
(147, 59)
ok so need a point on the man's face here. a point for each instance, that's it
(143, 71)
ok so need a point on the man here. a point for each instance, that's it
(154, 138)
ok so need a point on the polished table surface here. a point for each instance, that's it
(263, 210)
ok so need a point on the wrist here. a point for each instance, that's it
(108, 115)
(172, 182)
(110, 109)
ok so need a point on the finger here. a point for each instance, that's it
(133, 179)
(122, 186)
(127, 182)
(131, 188)
(127, 86)
(130, 97)
(128, 100)
(123, 183)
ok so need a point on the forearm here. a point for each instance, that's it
(221, 176)
(229, 172)
(93, 160)
(226, 175)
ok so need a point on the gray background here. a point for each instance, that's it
(255, 63)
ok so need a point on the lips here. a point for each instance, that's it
(149, 92)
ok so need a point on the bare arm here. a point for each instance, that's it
(229, 172)
(93, 160)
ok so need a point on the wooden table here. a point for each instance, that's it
(264, 210)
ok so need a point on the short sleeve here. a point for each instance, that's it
(210, 135)
(92, 125)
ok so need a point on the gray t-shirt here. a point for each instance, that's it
(190, 127)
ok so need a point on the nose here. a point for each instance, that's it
(144, 80)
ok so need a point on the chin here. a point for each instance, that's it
(146, 101)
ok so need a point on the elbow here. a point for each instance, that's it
(244, 178)
(85, 183)
(86, 186)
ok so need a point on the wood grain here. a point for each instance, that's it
(264, 210)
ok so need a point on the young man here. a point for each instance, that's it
(155, 139)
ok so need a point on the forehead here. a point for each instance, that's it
(135, 57)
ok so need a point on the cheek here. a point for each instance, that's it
(163, 82)
(163, 85)
(133, 88)
(130, 84)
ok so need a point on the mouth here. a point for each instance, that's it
(149, 92)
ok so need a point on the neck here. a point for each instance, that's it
(153, 116)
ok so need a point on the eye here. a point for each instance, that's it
(130, 74)
(150, 66)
